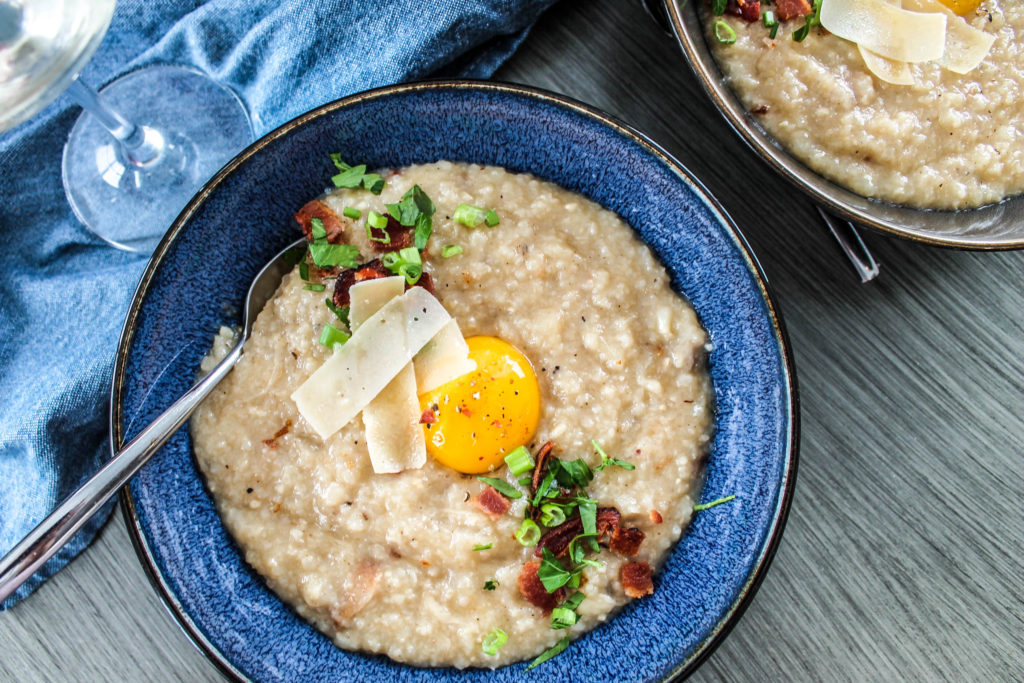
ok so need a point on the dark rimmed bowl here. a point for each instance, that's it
(996, 226)
(198, 277)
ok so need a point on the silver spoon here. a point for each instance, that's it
(60, 526)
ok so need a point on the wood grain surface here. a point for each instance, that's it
(902, 558)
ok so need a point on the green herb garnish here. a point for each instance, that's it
(451, 250)
(724, 33)
(719, 501)
(472, 216)
(572, 472)
(718, 7)
(519, 461)
(529, 533)
(551, 572)
(770, 22)
(313, 287)
(565, 615)
(611, 462)
(554, 650)
(352, 213)
(490, 584)
(405, 262)
(486, 546)
(502, 487)
(331, 336)
(355, 176)
(494, 641)
(327, 255)
(340, 312)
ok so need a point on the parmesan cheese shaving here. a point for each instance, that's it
(444, 358)
(887, 70)
(887, 30)
(394, 437)
(966, 46)
(378, 350)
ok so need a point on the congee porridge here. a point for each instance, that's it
(888, 110)
(496, 496)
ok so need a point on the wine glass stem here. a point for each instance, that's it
(140, 145)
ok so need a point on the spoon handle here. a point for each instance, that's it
(60, 526)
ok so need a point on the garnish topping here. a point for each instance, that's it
(485, 546)
(356, 176)
(554, 650)
(519, 461)
(405, 262)
(327, 255)
(724, 33)
(502, 487)
(451, 250)
(490, 584)
(565, 615)
(494, 641)
(352, 213)
(528, 534)
(610, 462)
(719, 501)
(415, 210)
(331, 336)
(472, 216)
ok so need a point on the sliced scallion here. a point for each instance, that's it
(472, 216)
(484, 546)
(502, 487)
(332, 336)
(519, 461)
(551, 514)
(529, 533)
(493, 642)
(313, 287)
(719, 501)
(724, 33)
(352, 213)
(451, 250)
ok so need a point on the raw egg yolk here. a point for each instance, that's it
(483, 415)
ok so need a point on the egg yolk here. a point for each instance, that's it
(485, 414)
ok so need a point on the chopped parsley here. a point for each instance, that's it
(356, 176)
(415, 210)
(610, 462)
(327, 255)
(502, 487)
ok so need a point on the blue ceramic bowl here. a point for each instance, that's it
(198, 277)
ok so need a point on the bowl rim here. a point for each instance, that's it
(766, 552)
(851, 206)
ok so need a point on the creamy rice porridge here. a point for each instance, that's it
(385, 563)
(948, 141)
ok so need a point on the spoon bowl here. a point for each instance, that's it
(61, 525)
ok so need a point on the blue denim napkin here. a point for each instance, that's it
(64, 294)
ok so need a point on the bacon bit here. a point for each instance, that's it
(791, 9)
(272, 441)
(608, 520)
(760, 109)
(636, 579)
(368, 271)
(750, 10)
(399, 236)
(533, 590)
(491, 503)
(656, 517)
(626, 541)
(538, 469)
(557, 540)
(333, 225)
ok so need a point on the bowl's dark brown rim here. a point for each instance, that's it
(772, 539)
(818, 188)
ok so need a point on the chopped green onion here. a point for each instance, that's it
(563, 617)
(718, 7)
(332, 336)
(502, 487)
(490, 584)
(544, 485)
(529, 533)
(724, 33)
(405, 262)
(614, 462)
(472, 216)
(341, 312)
(554, 650)
(352, 213)
(574, 600)
(769, 18)
(304, 270)
(494, 641)
(313, 287)
(519, 461)
(801, 33)
(551, 514)
(551, 572)
(525, 481)
(719, 501)
(486, 546)
(376, 220)
(451, 250)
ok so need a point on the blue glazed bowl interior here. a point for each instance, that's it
(198, 279)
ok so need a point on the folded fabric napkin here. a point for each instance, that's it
(64, 294)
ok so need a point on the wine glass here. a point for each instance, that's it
(147, 141)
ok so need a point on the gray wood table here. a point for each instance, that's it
(902, 559)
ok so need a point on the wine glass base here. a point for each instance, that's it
(201, 126)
